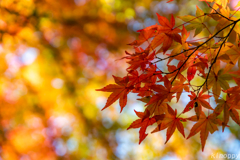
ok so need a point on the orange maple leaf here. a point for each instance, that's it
(170, 121)
(225, 106)
(204, 125)
(198, 102)
(144, 122)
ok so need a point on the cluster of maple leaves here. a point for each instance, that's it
(213, 58)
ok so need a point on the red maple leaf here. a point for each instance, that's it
(143, 123)
(157, 77)
(170, 121)
(120, 91)
(145, 34)
(191, 72)
(162, 92)
(166, 33)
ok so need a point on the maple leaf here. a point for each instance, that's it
(166, 33)
(151, 74)
(198, 102)
(194, 63)
(197, 22)
(140, 59)
(178, 48)
(213, 57)
(162, 92)
(143, 91)
(191, 72)
(201, 64)
(120, 91)
(228, 111)
(233, 52)
(170, 121)
(133, 78)
(219, 2)
(143, 123)
(179, 85)
(145, 34)
(157, 108)
(204, 125)
(217, 79)
(233, 96)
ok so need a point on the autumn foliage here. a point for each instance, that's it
(214, 59)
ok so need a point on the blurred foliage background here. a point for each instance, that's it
(53, 55)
